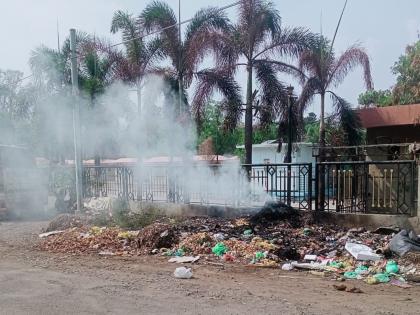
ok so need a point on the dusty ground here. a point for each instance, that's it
(33, 282)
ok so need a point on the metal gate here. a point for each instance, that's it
(385, 187)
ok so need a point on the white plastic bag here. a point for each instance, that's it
(361, 252)
(183, 273)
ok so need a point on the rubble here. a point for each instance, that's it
(182, 260)
(327, 251)
(63, 222)
(156, 235)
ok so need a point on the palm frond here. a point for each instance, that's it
(259, 20)
(352, 57)
(349, 121)
(158, 15)
(204, 34)
(292, 41)
(210, 80)
(126, 23)
(273, 93)
(284, 68)
(311, 87)
(316, 61)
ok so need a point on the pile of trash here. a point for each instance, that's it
(385, 255)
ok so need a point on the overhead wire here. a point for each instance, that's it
(148, 34)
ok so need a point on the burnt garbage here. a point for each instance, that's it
(276, 211)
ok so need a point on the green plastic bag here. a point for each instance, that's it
(350, 275)
(336, 264)
(392, 267)
(248, 232)
(259, 255)
(219, 249)
(382, 277)
(361, 270)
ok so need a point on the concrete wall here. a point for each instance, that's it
(300, 154)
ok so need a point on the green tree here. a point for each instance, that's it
(224, 141)
(376, 97)
(407, 88)
(52, 72)
(16, 108)
(407, 69)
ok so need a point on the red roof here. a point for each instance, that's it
(396, 115)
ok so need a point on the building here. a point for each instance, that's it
(266, 152)
(391, 124)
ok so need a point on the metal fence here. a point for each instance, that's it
(290, 183)
(386, 187)
(215, 184)
(367, 187)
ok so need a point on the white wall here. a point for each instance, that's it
(303, 154)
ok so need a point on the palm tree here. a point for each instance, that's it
(323, 72)
(52, 70)
(201, 37)
(139, 56)
(257, 42)
(52, 67)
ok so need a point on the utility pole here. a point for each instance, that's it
(180, 86)
(289, 144)
(76, 121)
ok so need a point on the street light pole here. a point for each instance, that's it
(76, 121)
(289, 144)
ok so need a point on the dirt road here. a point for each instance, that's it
(33, 282)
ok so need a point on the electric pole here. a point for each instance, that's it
(76, 121)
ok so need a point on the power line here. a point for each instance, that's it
(174, 25)
(150, 34)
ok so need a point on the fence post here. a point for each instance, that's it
(310, 186)
(316, 186)
(289, 184)
(417, 213)
(366, 188)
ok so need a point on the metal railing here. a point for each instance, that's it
(366, 186)
(386, 187)
(290, 183)
(213, 184)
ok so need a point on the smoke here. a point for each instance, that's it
(111, 127)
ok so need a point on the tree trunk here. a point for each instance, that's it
(248, 117)
(321, 158)
(138, 98)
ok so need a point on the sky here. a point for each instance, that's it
(383, 27)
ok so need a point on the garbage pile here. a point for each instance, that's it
(381, 256)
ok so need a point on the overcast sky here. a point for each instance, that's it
(384, 27)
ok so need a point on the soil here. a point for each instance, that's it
(35, 282)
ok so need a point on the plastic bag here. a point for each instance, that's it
(404, 242)
(392, 267)
(183, 273)
(361, 252)
(350, 275)
(219, 249)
